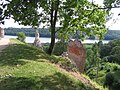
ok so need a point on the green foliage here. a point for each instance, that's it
(115, 50)
(111, 51)
(88, 46)
(65, 63)
(109, 68)
(111, 3)
(77, 15)
(93, 61)
(45, 47)
(102, 66)
(84, 14)
(89, 59)
(112, 82)
(109, 79)
(21, 36)
(104, 69)
(93, 57)
(105, 50)
(60, 47)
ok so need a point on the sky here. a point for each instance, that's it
(110, 23)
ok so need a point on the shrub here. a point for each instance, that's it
(109, 79)
(105, 50)
(63, 62)
(59, 48)
(112, 81)
(116, 85)
(107, 67)
(45, 47)
(21, 36)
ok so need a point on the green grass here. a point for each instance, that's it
(12, 41)
(87, 46)
(23, 67)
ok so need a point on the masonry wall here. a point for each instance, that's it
(76, 52)
(1, 33)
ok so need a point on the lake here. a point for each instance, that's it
(47, 40)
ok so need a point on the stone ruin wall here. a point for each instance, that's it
(76, 52)
(37, 42)
(1, 33)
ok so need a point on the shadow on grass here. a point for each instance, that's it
(58, 81)
(16, 53)
(17, 83)
(2, 47)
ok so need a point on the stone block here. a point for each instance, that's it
(76, 52)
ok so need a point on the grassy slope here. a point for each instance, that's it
(23, 67)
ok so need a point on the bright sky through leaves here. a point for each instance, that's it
(111, 24)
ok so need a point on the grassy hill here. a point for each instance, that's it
(23, 67)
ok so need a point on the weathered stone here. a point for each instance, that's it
(1, 33)
(37, 42)
(76, 52)
(64, 54)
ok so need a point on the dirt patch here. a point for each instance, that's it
(4, 42)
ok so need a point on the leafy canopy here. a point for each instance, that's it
(73, 15)
(111, 3)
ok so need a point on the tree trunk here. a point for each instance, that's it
(52, 41)
(53, 26)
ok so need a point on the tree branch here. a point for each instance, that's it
(51, 15)
(55, 15)
(101, 8)
(108, 7)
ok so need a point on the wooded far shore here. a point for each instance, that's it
(110, 35)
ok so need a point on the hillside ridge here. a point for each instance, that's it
(24, 59)
(78, 76)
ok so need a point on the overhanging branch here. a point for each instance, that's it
(101, 8)
(108, 7)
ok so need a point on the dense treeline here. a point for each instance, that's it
(28, 31)
(103, 64)
(110, 35)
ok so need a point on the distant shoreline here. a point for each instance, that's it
(56, 38)
(48, 40)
